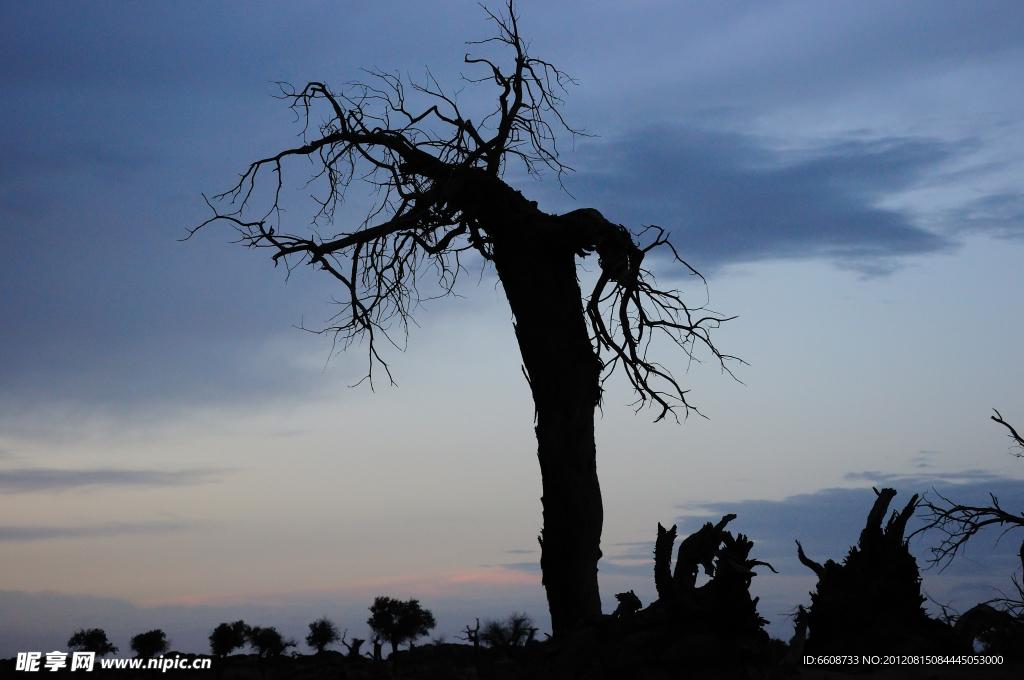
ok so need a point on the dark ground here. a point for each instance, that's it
(458, 662)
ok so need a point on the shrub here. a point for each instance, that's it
(146, 645)
(398, 621)
(322, 633)
(268, 643)
(227, 637)
(515, 631)
(91, 640)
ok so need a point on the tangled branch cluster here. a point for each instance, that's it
(958, 523)
(436, 175)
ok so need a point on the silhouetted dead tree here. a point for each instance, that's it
(710, 630)
(871, 602)
(722, 605)
(958, 523)
(352, 647)
(440, 197)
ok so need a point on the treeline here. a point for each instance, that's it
(392, 621)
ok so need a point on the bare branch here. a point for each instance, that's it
(1013, 433)
(818, 570)
(627, 311)
(959, 523)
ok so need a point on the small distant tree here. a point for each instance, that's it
(268, 643)
(146, 645)
(515, 631)
(322, 633)
(91, 640)
(398, 621)
(227, 637)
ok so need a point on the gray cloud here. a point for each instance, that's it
(28, 480)
(106, 530)
(726, 198)
(192, 47)
(115, 116)
(769, 56)
(1001, 215)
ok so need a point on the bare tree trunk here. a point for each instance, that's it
(539, 278)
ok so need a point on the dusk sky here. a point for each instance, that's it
(175, 452)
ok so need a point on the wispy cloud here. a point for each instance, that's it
(1001, 215)
(973, 476)
(106, 530)
(29, 480)
(528, 567)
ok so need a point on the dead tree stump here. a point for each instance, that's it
(872, 602)
(711, 630)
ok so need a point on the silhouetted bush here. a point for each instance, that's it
(146, 645)
(91, 640)
(398, 621)
(227, 637)
(268, 643)
(515, 631)
(322, 633)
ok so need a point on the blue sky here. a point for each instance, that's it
(175, 453)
